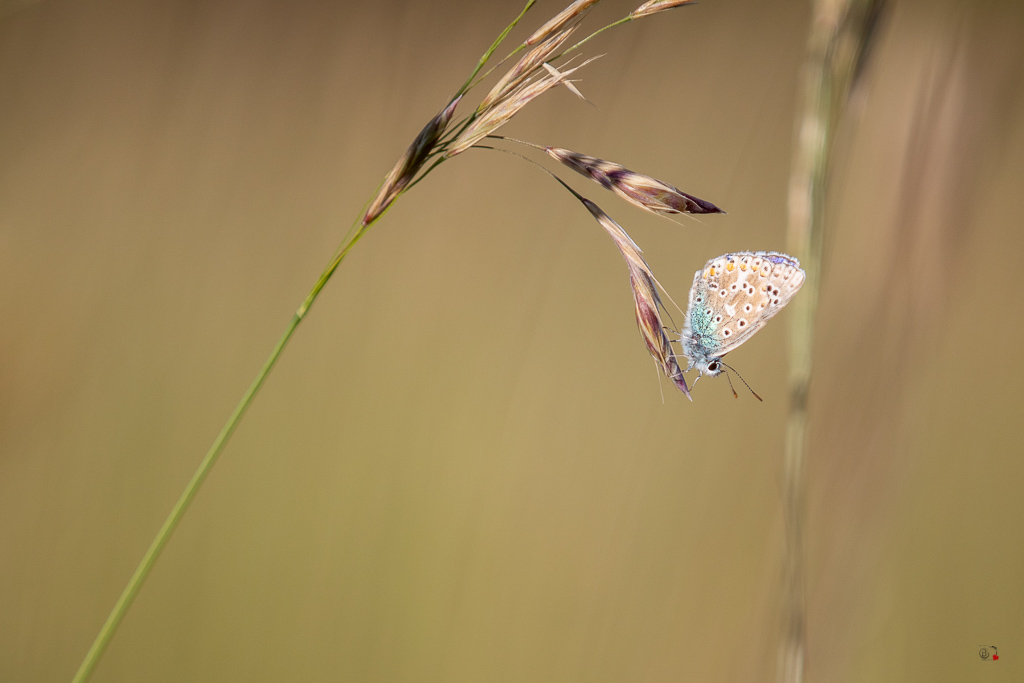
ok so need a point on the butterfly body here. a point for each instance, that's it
(732, 297)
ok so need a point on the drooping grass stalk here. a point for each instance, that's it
(837, 47)
(354, 235)
(666, 199)
(642, 191)
(436, 143)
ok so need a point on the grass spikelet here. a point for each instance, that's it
(567, 83)
(410, 163)
(499, 113)
(638, 189)
(525, 68)
(560, 20)
(655, 6)
(647, 303)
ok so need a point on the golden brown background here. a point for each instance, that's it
(463, 468)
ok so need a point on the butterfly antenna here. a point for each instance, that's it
(744, 383)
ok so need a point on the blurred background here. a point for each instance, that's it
(464, 468)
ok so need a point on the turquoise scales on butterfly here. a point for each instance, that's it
(732, 297)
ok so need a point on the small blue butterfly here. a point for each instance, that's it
(732, 297)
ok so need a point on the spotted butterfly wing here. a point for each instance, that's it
(732, 297)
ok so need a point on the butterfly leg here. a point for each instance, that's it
(734, 394)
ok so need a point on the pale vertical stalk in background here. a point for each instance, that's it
(840, 34)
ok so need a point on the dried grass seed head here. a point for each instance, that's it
(638, 189)
(499, 113)
(560, 20)
(652, 329)
(410, 163)
(655, 6)
(646, 301)
(525, 67)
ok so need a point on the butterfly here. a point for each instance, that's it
(732, 297)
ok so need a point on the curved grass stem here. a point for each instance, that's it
(438, 149)
(356, 233)
(127, 597)
(598, 32)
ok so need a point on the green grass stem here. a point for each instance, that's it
(352, 237)
(130, 591)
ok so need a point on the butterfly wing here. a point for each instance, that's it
(734, 295)
(703, 307)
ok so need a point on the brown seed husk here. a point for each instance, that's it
(647, 303)
(560, 20)
(499, 113)
(640, 190)
(410, 163)
(655, 6)
(525, 68)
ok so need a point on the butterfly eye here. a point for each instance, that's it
(713, 366)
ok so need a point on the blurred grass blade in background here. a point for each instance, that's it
(837, 47)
